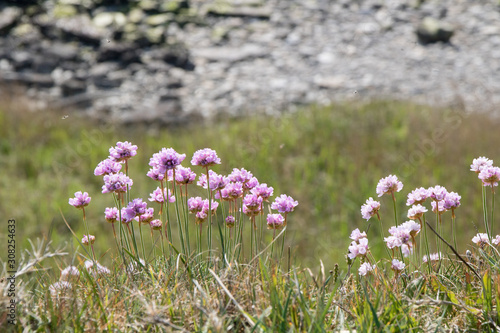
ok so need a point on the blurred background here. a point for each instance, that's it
(319, 99)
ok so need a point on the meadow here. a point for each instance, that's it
(329, 159)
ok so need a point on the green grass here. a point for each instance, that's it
(328, 158)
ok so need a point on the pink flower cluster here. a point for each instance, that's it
(359, 245)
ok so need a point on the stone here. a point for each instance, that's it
(81, 28)
(123, 52)
(431, 30)
(176, 55)
(61, 11)
(159, 19)
(28, 79)
(8, 18)
(73, 87)
(109, 19)
(231, 54)
(250, 12)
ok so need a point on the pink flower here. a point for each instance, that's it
(155, 224)
(80, 200)
(263, 191)
(195, 204)
(412, 227)
(389, 185)
(230, 221)
(496, 240)
(356, 235)
(184, 175)
(230, 192)
(117, 183)
(60, 287)
(111, 214)
(440, 207)
(365, 268)
(69, 273)
(240, 175)
(452, 200)
(490, 176)
(397, 265)
(146, 217)
(358, 249)
(157, 196)
(479, 163)
(370, 209)
(416, 211)
(88, 239)
(437, 192)
(166, 159)
(284, 204)
(217, 182)
(275, 221)
(417, 196)
(480, 239)
(122, 151)
(433, 257)
(106, 167)
(205, 157)
(156, 174)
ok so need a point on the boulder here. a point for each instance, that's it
(8, 18)
(431, 30)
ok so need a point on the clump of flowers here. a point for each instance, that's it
(490, 176)
(480, 239)
(80, 200)
(365, 268)
(370, 208)
(122, 151)
(205, 158)
(480, 163)
(116, 183)
(389, 185)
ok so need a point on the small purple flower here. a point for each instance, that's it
(490, 176)
(126, 218)
(452, 200)
(440, 207)
(358, 249)
(356, 235)
(166, 159)
(370, 209)
(275, 221)
(433, 257)
(231, 191)
(146, 217)
(156, 224)
(284, 204)
(217, 182)
(407, 249)
(416, 212)
(80, 200)
(111, 214)
(480, 239)
(249, 185)
(213, 206)
(365, 268)
(496, 240)
(240, 175)
(60, 287)
(117, 183)
(157, 196)
(184, 175)
(122, 151)
(412, 227)
(392, 242)
(252, 201)
(88, 239)
(437, 192)
(417, 196)
(479, 163)
(205, 157)
(106, 167)
(230, 221)
(156, 174)
(389, 185)
(251, 211)
(69, 273)
(263, 191)
(135, 208)
(397, 265)
(99, 269)
(195, 204)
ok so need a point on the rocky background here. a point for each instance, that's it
(172, 61)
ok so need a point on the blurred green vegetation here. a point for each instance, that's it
(328, 158)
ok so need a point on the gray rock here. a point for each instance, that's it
(29, 79)
(431, 30)
(231, 54)
(8, 18)
(81, 29)
(109, 19)
(73, 87)
(250, 12)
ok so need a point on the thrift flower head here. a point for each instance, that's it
(252, 201)
(146, 217)
(356, 235)
(433, 257)
(249, 185)
(230, 192)
(111, 214)
(106, 167)
(437, 192)
(480, 239)
(240, 175)
(59, 288)
(80, 200)
(406, 249)
(125, 217)
(397, 265)
(417, 196)
(184, 175)
(157, 196)
(389, 185)
(205, 157)
(166, 159)
(230, 221)
(217, 182)
(496, 240)
(452, 200)
(122, 151)
(135, 208)
(490, 176)
(263, 191)
(370, 208)
(251, 211)
(275, 221)
(88, 239)
(284, 204)
(156, 174)
(69, 273)
(479, 163)
(412, 227)
(98, 269)
(416, 212)
(438, 207)
(155, 224)
(195, 204)
(365, 268)
(117, 183)
(358, 249)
